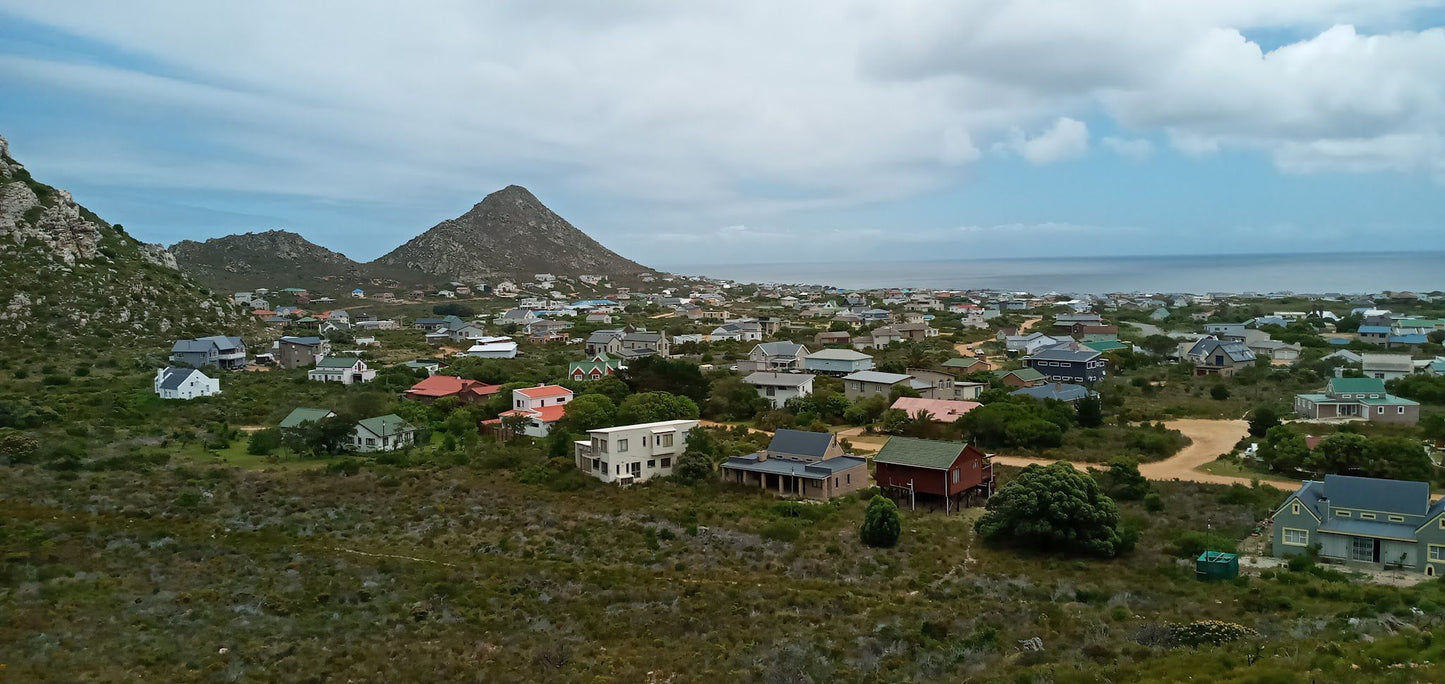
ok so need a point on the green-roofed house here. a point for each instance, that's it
(383, 433)
(601, 365)
(299, 416)
(1105, 346)
(1357, 399)
(933, 473)
(346, 370)
(966, 364)
(1022, 377)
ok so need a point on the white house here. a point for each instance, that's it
(493, 348)
(542, 405)
(633, 453)
(778, 388)
(343, 369)
(382, 433)
(185, 383)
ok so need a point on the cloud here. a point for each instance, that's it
(1066, 139)
(1135, 149)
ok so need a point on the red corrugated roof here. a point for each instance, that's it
(447, 385)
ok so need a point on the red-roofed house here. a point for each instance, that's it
(941, 410)
(543, 405)
(440, 386)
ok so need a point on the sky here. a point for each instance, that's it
(749, 132)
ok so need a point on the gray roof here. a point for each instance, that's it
(1066, 354)
(839, 355)
(878, 377)
(781, 348)
(1376, 494)
(191, 347)
(604, 336)
(779, 379)
(1387, 362)
(224, 342)
(1236, 351)
(813, 470)
(1368, 528)
(1061, 391)
(642, 337)
(303, 341)
(175, 377)
(800, 443)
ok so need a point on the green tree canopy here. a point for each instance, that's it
(651, 407)
(1283, 449)
(1123, 480)
(1054, 507)
(588, 412)
(1262, 419)
(1090, 412)
(692, 468)
(881, 524)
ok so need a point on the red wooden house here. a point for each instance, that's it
(931, 472)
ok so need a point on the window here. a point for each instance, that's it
(1342, 514)
(1294, 508)
(1295, 537)
(1400, 410)
(1437, 553)
(1367, 516)
(955, 475)
(651, 463)
(1363, 549)
(667, 462)
(621, 446)
(664, 440)
(772, 391)
(1397, 518)
(848, 477)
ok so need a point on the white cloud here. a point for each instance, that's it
(1136, 149)
(1066, 139)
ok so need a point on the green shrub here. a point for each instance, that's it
(781, 530)
(881, 524)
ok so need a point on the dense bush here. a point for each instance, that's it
(881, 524)
(1054, 507)
(1426, 389)
(1123, 481)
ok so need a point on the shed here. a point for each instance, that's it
(1216, 565)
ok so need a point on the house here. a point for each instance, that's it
(518, 316)
(1345, 356)
(1085, 332)
(1160, 314)
(827, 338)
(1022, 377)
(300, 352)
(1386, 366)
(778, 388)
(493, 348)
(542, 405)
(548, 330)
(382, 433)
(300, 416)
(1212, 356)
(774, 356)
(1033, 343)
(604, 342)
(900, 332)
(941, 410)
(1058, 391)
(1347, 398)
(1225, 330)
(1068, 321)
(805, 465)
(221, 351)
(950, 473)
(1377, 334)
(643, 343)
(184, 383)
(1062, 364)
(431, 366)
(870, 383)
(1364, 522)
(633, 453)
(1275, 351)
(346, 370)
(599, 366)
(932, 384)
(464, 390)
(964, 365)
(837, 362)
(358, 293)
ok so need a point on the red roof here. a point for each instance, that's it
(941, 410)
(544, 391)
(263, 312)
(546, 414)
(447, 386)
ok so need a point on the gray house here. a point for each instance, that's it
(221, 351)
(1364, 521)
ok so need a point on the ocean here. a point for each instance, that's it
(1348, 273)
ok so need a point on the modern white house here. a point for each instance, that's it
(633, 453)
(347, 370)
(382, 433)
(542, 405)
(493, 348)
(185, 383)
(778, 388)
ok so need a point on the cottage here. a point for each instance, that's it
(1212, 356)
(778, 388)
(442, 386)
(805, 465)
(184, 383)
(382, 433)
(874, 383)
(300, 352)
(1386, 366)
(964, 365)
(1347, 398)
(633, 453)
(832, 337)
(599, 366)
(301, 416)
(493, 348)
(1276, 351)
(220, 351)
(643, 343)
(1022, 377)
(1363, 521)
(934, 472)
(837, 362)
(1061, 364)
(346, 370)
(774, 356)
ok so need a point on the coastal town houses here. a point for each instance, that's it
(382, 433)
(1213, 356)
(933, 473)
(875, 383)
(1063, 364)
(541, 407)
(220, 351)
(778, 388)
(774, 356)
(799, 464)
(632, 453)
(838, 362)
(1386, 366)
(1359, 399)
(627, 344)
(299, 352)
(1363, 522)
(184, 383)
(1021, 377)
(463, 390)
(943, 385)
(347, 370)
(599, 366)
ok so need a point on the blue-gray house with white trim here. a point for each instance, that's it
(1364, 521)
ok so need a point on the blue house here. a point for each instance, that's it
(1379, 334)
(837, 362)
(1062, 364)
(1364, 521)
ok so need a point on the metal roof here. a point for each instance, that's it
(878, 377)
(175, 377)
(1377, 494)
(385, 426)
(839, 355)
(813, 470)
(779, 379)
(337, 362)
(1061, 391)
(782, 348)
(1065, 354)
(800, 443)
(1356, 386)
(299, 416)
(921, 453)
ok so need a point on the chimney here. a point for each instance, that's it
(762, 455)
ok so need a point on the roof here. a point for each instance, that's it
(385, 426)
(1377, 494)
(1387, 362)
(337, 362)
(878, 377)
(1237, 352)
(173, 378)
(1025, 374)
(1356, 386)
(839, 355)
(800, 443)
(1060, 391)
(447, 385)
(543, 391)
(655, 426)
(298, 416)
(1065, 354)
(1368, 528)
(303, 341)
(782, 348)
(813, 470)
(942, 410)
(546, 414)
(779, 379)
(1374, 330)
(962, 362)
(919, 453)
(1106, 345)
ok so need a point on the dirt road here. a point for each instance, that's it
(968, 349)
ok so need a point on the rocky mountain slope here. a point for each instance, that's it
(69, 281)
(509, 233)
(275, 258)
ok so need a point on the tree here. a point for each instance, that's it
(1341, 453)
(1400, 458)
(1159, 345)
(1054, 507)
(453, 309)
(894, 422)
(1090, 412)
(701, 441)
(658, 374)
(733, 399)
(692, 468)
(1262, 419)
(881, 524)
(263, 442)
(1219, 392)
(651, 407)
(1283, 449)
(1123, 481)
(588, 412)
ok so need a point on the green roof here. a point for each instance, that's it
(385, 426)
(1025, 374)
(336, 362)
(961, 362)
(922, 453)
(1357, 386)
(1106, 345)
(304, 415)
